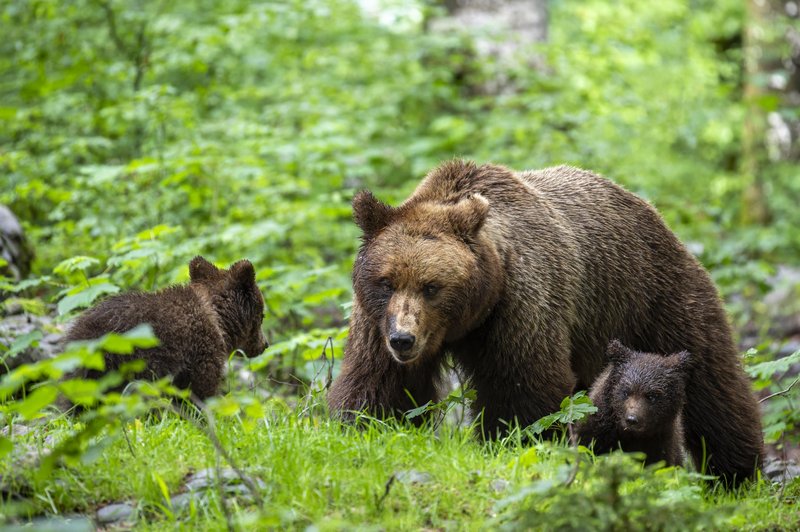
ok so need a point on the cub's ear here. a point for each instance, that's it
(243, 275)
(201, 270)
(685, 361)
(617, 353)
(467, 216)
(370, 214)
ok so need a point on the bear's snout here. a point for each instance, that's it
(401, 341)
(634, 415)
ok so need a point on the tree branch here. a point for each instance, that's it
(770, 396)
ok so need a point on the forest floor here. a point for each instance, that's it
(295, 468)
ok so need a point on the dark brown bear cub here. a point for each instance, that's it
(198, 325)
(639, 399)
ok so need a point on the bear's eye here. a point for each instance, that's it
(386, 285)
(651, 397)
(430, 290)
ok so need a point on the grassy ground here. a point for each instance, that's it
(309, 471)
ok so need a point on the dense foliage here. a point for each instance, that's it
(136, 135)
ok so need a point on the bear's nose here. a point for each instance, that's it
(401, 341)
(632, 419)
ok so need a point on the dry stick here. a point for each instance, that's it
(221, 493)
(212, 436)
(310, 395)
(127, 439)
(770, 396)
(379, 500)
(329, 380)
(573, 474)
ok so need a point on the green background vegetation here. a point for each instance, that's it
(136, 135)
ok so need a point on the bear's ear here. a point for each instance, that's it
(685, 361)
(370, 214)
(243, 275)
(201, 270)
(467, 216)
(617, 353)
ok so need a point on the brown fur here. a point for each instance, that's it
(639, 399)
(198, 325)
(524, 278)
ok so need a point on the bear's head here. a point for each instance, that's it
(649, 390)
(237, 301)
(425, 274)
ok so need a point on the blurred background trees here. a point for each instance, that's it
(143, 133)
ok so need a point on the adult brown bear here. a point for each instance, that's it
(524, 278)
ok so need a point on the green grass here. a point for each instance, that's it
(313, 471)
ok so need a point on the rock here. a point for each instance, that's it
(412, 476)
(16, 430)
(231, 483)
(14, 247)
(69, 523)
(781, 471)
(206, 478)
(48, 346)
(181, 501)
(499, 485)
(114, 513)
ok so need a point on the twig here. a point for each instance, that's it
(309, 397)
(212, 436)
(222, 499)
(379, 501)
(128, 440)
(770, 396)
(329, 380)
(573, 474)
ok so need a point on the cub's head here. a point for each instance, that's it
(237, 301)
(649, 390)
(425, 274)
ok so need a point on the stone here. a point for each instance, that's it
(499, 485)
(412, 476)
(114, 513)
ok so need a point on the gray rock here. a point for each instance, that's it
(16, 430)
(68, 523)
(206, 478)
(181, 501)
(499, 485)
(412, 476)
(14, 247)
(48, 346)
(781, 471)
(231, 482)
(114, 513)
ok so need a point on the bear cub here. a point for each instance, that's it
(639, 399)
(198, 325)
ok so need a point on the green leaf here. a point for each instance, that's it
(225, 406)
(36, 401)
(766, 370)
(72, 265)
(6, 446)
(86, 297)
(140, 337)
(23, 342)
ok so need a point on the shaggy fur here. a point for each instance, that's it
(524, 278)
(198, 325)
(639, 399)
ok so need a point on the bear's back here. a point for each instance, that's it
(178, 316)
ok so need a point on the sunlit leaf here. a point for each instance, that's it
(85, 297)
